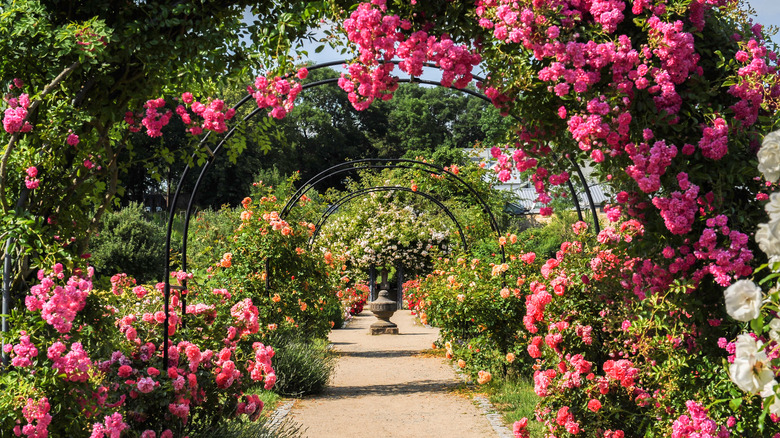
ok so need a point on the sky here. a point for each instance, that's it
(767, 13)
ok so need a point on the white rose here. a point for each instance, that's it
(769, 157)
(769, 391)
(773, 206)
(749, 370)
(774, 330)
(743, 300)
(767, 240)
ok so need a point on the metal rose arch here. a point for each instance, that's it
(212, 155)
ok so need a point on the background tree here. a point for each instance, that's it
(82, 66)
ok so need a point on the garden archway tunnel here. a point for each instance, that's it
(212, 154)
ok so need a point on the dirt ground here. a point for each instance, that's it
(383, 387)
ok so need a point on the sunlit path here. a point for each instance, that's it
(384, 387)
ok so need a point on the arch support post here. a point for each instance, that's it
(399, 272)
(372, 283)
(7, 262)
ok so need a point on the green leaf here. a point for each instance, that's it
(757, 325)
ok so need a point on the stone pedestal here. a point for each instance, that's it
(383, 308)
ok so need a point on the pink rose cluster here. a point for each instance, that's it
(566, 419)
(59, 304)
(251, 406)
(30, 179)
(522, 160)
(650, 162)
(24, 352)
(213, 113)
(111, 427)
(697, 424)
(75, 364)
(679, 210)
(121, 282)
(520, 428)
(621, 370)
(535, 303)
(38, 418)
(278, 93)
(380, 38)
(14, 118)
(227, 373)
(245, 314)
(261, 367)
(752, 91)
(153, 120)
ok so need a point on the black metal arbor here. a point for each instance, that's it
(355, 166)
(212, 154)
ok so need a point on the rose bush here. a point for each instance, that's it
(86, 361)
(754, 357)
(269, 261)
(478, 305)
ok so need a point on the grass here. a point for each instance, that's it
(515, 399)
(249, 429)
(271, 401)
(432, 352)
(242, 427)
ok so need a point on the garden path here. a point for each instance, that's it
(384, 387)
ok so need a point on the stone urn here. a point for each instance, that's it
(383, 308)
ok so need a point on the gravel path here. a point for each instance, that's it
(383, 387)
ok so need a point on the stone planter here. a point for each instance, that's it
(383, 308)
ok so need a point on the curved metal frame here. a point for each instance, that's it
(391, 163)
(358, 193)
(212, 156)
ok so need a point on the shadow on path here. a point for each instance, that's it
(416, 387)
(379, 354)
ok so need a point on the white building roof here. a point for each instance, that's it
(525, 192)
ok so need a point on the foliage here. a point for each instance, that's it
(259, 429)
(74, 73)
(515, 399)
(129, 242)
(97, 354)
(266, 248)
(546, 238)
(209, 234)
(392, 224)
(478, 306)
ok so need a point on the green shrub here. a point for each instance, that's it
(546, 239)
(303, 366)
(209, 236)
(128, 242)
